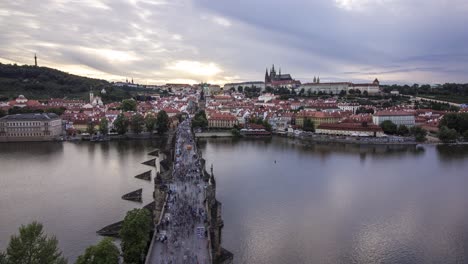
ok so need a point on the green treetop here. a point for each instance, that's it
(128, 105)
(104, 126)
(135, 234)
(121, 124)
(32, 246)
(162, 122)
(137, 123)
(105, 252)
(150, 122)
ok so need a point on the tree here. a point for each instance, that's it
(447, 135)
(137, 122)
(104, 126)
(457, 121)
(419, 133)
(32, 246)
(135, 234)
(240, 89)
(267, 125)
(308, 125)
(199, 120)
(2, 113)
(162, 122)
(235, 133)
(465, 135)
(301, 92)
(121, 124)
(128, 105)
(403, 130)
(57, 111)
(150, 122)
(105, 252)
(365, 93)
(389, 127)
(90, 129)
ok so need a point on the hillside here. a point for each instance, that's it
(42, 83)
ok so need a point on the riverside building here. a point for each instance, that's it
(30, 127)
(397, 117)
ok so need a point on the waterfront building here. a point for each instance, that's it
(351, 129)
(254, 130)
(30, 127)
(221, 120)
(318, 117)
(398, 117)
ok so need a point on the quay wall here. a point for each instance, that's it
(213, 134)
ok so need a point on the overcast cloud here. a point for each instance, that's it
(397, 41)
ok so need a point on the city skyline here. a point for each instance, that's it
(221, 42)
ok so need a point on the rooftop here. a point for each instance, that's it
(31, 116)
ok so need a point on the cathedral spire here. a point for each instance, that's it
(315, 79)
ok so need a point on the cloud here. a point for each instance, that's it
(195, 68)
(222, 21)
(235, 41)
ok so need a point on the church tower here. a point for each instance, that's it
(267, 78)
(272, 72)
(35, 60)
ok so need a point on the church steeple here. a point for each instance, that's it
(267, 78)
(315, 79)
(35, 60)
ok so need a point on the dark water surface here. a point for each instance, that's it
(341, 203)
(74, 189)
(318, 204)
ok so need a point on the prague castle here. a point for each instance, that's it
(273, 79)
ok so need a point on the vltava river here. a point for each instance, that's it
(341, 203)
(317, 204)
(74, 189)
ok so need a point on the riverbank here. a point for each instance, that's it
(210, 134)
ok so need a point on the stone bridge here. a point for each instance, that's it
(201, 242)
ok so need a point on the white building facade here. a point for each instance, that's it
(397, 117)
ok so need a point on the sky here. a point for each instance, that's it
(220, 41)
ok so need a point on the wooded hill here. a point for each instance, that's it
(43, 82)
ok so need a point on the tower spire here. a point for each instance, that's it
(35, 60)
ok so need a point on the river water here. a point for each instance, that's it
(335, 203)
(74, 189)
(327, 203)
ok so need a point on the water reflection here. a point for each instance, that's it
(451, 152)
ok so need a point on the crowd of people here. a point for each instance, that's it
(182, 230)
